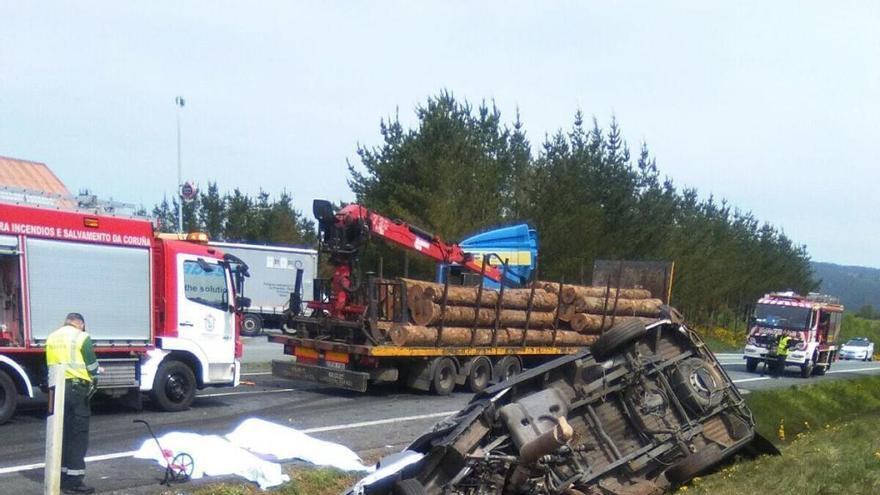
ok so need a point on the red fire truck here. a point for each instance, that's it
(160, 309)
(812, 322)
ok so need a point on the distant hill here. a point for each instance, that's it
(854, 285)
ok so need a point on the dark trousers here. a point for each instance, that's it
(780, 364)
(75, 442)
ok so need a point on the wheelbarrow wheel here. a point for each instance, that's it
(181, 467)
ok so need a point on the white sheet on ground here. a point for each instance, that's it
(214, 456)
(269, 439)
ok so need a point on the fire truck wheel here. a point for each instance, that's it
(175, 386)
(251, 325)
(694, 464)
(8, 397)
(480, 374)
(617, 339)
(807, 368)
(409, 486)
(443, 382)
(697, 384)
(751, 365)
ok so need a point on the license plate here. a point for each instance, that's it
(334, 365)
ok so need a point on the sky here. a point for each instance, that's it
(774, 106)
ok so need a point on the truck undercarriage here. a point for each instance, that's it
(639, 411)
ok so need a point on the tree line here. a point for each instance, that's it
(238, 217)
(461, 169)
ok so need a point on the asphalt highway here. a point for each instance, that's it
(382, 420)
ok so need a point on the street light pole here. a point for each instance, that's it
(179, 102)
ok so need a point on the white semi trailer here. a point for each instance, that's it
(272, 280)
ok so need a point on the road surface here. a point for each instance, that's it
(381, 420)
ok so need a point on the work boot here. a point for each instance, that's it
(80, 488)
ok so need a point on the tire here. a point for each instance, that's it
(251, 325)
(697, 384)
(694, 464)
(409, 486)
(174, 387)
(443, 381)
(807, 368)
(480, 375)
(8, 397)
(507, 368)
(617, 339)
(751, 365)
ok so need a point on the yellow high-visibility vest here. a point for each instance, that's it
(782, 348)
(65, 346)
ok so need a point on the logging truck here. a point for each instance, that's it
(433, 336)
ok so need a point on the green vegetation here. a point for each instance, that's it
(461, 169)
(235, 216)
(854, 326)
(303, 481)
(841, 458)
(827, 433)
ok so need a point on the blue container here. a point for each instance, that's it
(517, 245)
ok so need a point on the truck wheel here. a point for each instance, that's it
(175, 386)
(480, 375)
(507, 368)
(617, 338)
(8, 397)
(697, 384)
(751, 365)
(409, 486)
(694, 464)
(443, 382)
(251, 325)
(807, 369)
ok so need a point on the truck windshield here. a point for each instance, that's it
(776, 316)
(205, 286)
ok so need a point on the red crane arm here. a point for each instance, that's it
(413, 238)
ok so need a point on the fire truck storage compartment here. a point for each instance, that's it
(11, 328)
(68, 277)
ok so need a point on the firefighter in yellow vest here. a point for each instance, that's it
(782, 353)
(71, 346)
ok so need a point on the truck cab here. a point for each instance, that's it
(812, 322)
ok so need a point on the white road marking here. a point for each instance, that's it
(130, 453)
(744, 380)
(873, 368)
(257, 373)
(379, 422)
(250, 392)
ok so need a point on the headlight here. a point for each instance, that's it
(752, 341)
(801, 346)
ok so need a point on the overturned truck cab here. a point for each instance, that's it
(642, 409)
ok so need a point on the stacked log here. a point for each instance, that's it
(429, 313)
(467, 296)
(417, 335)
(579, 309)
(593, 324)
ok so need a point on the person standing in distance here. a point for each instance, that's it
(71, 346)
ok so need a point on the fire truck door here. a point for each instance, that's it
(204, 315)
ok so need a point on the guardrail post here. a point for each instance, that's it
(54, 431)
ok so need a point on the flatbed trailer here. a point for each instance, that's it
(327, 362)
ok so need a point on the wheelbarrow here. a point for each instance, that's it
(178, 468)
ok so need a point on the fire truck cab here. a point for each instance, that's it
(812, 322)
(160, 310)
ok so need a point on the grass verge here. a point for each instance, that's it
(303, 481)
(828, 434)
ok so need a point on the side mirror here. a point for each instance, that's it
(242, 302)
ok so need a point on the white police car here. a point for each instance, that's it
(858, 348)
